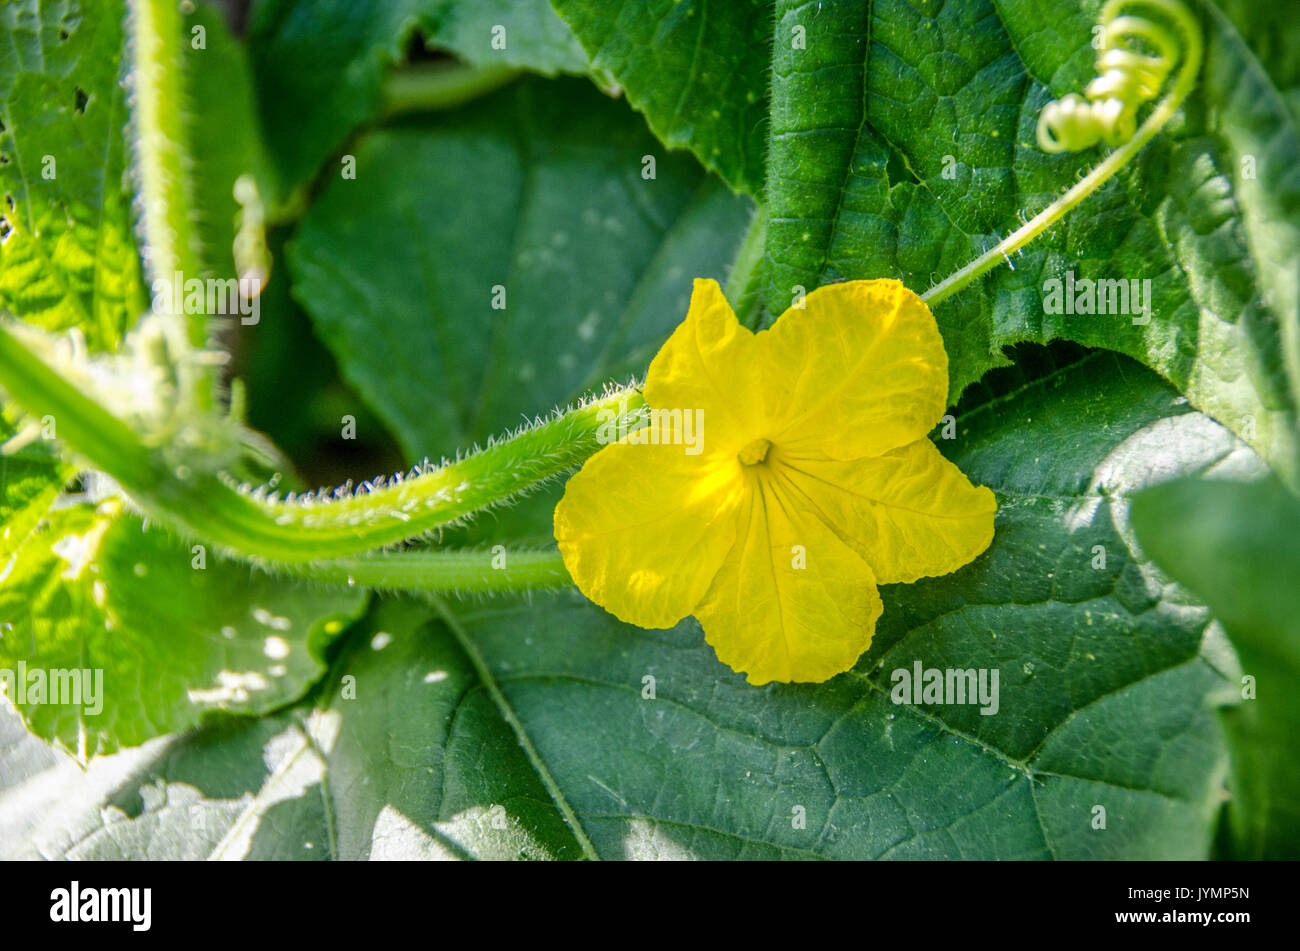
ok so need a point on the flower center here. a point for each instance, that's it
(755, 452)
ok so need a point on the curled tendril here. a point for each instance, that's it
(1136, 56)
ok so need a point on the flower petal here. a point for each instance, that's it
(860, 370)
(711, 363)
(770, 618)
(643, 529)
(909, 513)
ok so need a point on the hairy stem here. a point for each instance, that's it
(162, 168)
(332, 525)
(317, 526)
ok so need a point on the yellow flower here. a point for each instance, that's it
(812, 482)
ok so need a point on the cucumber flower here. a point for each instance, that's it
(811, 481)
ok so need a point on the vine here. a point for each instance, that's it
(258, 524)
(165, 196)
(1128, 79)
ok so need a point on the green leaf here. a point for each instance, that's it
(699, 71)
(67, 254)
(1238, 546)
(405, 758)
(168, 632)
(1109, 677)
(592, 261)
(320, 64)
(902, 144)
(1272, 39)
(534, 38)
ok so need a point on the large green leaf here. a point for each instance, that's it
(698, 69)
(649, 747)
(1238, 546)
(405, 757)
(537, 191)
(1274, 40)
(902, 144)
(67, 254)
(168, 632)
(1106, 677)
(320, 64)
